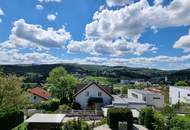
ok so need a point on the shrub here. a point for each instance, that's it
(11, 119)
(75, 105)
(75, 125)
(146, 117)
(50, 105)
(64, 108)
(115, 115)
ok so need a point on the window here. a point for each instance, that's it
(156, 97)
(178, 94)
(134, 95)
(34, 97)
(99, 94)
(144, 98)
(87, 93)
(188, 94)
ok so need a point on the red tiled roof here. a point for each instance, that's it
(40, 92)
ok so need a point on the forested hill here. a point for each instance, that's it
(41, 71)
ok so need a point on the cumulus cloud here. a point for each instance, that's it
(48, 1)
(183, 42)
(161, 62)
(117, 48)
(131, 21)
(112, 3)
(14, 56)
(34, 36)
(51, 17)
(1, 12)
(39, 7)
(118, 31)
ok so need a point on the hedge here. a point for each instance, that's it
(10, 119)
(75, 125)
(50, 105)
(116, 115)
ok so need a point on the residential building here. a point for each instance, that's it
(93, 94)
(179, 94)
(38, 94)
(151, 98)
(132, 103)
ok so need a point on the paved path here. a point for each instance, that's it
(106, 127)
(102, 127)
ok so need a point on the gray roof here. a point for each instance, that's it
(144, 92)
(117, 99)
(182, 87)
(79, 87)
(46, 118)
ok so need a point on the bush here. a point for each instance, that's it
(64, 108)
(75, 125)
(11, 119)
(146, 117)
(75, 105)
(115, 115)
(50, 105)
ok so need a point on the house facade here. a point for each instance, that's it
(151, 98)
(92, 93)
(179, 94)
(38, 94)
(120, 101)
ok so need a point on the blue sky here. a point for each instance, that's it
(134, 33)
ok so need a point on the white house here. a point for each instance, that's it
(120, 101)
(179, 94)
(151, 98)
(93, 94)
(38, 94)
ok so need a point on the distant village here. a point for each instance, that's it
(97, 106)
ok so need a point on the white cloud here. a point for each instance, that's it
(160, 62)
(14, 56)
(48, 1)
(39, 7)
(26, 35)
(1, 12)
(112, 3)
(183, 42)
(51, 17)
(128, 23)
(131, 21)
(117, 48)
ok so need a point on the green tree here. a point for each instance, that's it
(124, 90)
(61, 84)
(11, 94)
(146, 117)
(181, 83)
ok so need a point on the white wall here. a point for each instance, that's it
(152, 99)
(179, 94)
(93, 90)
(36, 99)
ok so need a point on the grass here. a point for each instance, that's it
(22, 126)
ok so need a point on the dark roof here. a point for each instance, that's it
(81, 87)
(40, 92)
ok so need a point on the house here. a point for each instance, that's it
(93, 94)
(45, 121)
(179, 94)
(38, 94)
(132, 103)
(151, 98)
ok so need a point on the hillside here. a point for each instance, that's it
(121, 72)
